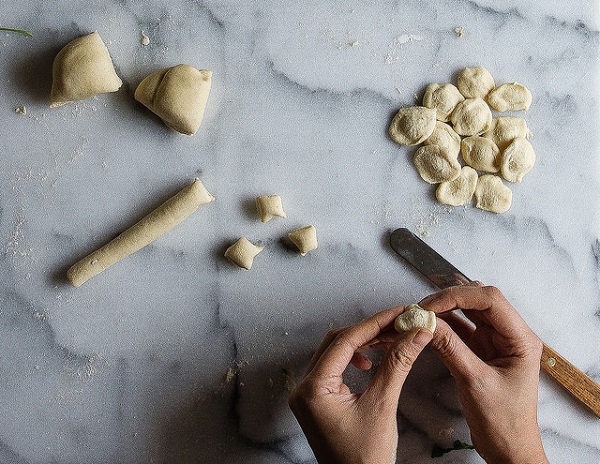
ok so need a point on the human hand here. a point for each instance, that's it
(496, 365)
(344, 427)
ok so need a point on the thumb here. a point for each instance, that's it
(389, 378)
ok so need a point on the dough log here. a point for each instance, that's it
(171, 213)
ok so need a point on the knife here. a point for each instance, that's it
(443, 274)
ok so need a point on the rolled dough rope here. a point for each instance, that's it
(172, 212)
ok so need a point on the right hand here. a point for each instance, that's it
(496, 365)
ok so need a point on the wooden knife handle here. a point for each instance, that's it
(572, 379)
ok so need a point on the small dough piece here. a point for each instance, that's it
(435, 164)
(177, 95)
(510, 97)
(471, 117)
(459, 191)
(517, 160)
(505, 129)
(82, 69)
(269, 206)
(305, 239)
(242, 253)
(492, 195)
(412, 125)
(480, 153)
(475, 82)
(445, 137)
(415, 317)
(443, 99)
(172, 212)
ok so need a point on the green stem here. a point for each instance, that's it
(20, 31)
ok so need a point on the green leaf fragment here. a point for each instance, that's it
(438, 451)
(19, 31)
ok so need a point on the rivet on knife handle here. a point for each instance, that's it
(443, 274)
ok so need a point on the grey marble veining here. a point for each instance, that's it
(173, 355)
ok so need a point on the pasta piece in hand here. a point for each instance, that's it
(415, 317)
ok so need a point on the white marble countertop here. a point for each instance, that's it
(174, 355)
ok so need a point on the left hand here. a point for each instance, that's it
(345, 427)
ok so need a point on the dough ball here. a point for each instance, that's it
(445, 137)
(443, 99)
(269, 206)
(305, 239)
(471, 117)
(412, 125)
(242, 253)
(505, 129)
(475, 82)
(82, 69)
(459, 191)
(415, 317)
(177, 95)
(492, 195)
(517, 160)
(436, 165)
(480, 153)
(510, 97)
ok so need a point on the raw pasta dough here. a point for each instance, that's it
(443, 99)
(177, 95)
(82, 69)
(157, 223)
(475, 82)
(415, 317)
(412, 125)
(436, 165)
(492, 195)
(510, 97)
(517, 160)
(269, 206)
(460, 190)
(305, 239)
(242, 253)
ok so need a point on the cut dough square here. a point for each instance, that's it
(269, 206)
(242, 253)
(305, 239)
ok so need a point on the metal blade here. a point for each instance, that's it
(426, 260)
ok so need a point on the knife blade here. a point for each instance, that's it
(442, 274)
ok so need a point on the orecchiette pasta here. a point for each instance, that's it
(435, 165)
(492, 195)
(443, 99)
(412, 125)
(510, 97)
(517, 160)
(471, 117)
(445, 137)
(415, 317)
(505, 129)
(480, 153)
(475, 82)
(460, 190)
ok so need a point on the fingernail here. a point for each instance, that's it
(422, 337)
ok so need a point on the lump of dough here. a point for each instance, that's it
(445, 137)
(492, 195)
(510, 97)
(242, 253)
(471, 117)
(475, 82)
(459, 191)
(269, 206)
(412, 125)
(480, 153)
(82, 69)
(517, 160)
(177, 95)
(436, 165)
(443, 99)
(505, 129)
(415, 317)
(305, 239)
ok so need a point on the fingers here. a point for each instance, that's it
(390, 376)
(487, 301)
(339, 347)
